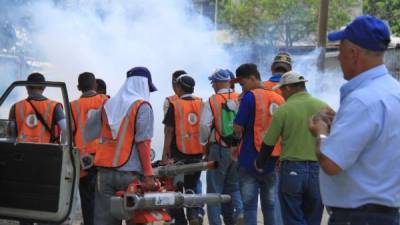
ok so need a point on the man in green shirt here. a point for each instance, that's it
(299, 194)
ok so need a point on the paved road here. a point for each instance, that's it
(324, 221)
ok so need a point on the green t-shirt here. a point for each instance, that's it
(290, 122)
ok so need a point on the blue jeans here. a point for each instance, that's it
(344, 217)
(278, 214)
(251, 185)
(299, 194)
(223, 180)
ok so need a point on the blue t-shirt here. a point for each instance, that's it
(275, 78)
(248, 152)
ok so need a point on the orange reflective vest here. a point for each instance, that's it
(187, 125)
(29, 127)
(80, 110)
(270, 84)
(114, 153)
(266, 103)
(216, 103)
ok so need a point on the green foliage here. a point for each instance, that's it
(385, 9)
(283, 21)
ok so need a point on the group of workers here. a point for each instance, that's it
(273, 141)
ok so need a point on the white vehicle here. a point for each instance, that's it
(38, 182)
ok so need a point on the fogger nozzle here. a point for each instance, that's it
(173, 170)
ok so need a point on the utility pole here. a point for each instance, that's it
(322, 30)
(216, 15)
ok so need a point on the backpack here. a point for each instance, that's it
(228, 114)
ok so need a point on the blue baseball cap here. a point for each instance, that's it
(365, 31)
(220, 75)
(231, 74)
(142, 72)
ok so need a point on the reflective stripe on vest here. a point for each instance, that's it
(187, 125)
(30, 129)
(182, 128)
(121, 139)
(266, 102)
(216, 102)
(116, 152)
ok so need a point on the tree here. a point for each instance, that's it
(275, 22)
(388, 10)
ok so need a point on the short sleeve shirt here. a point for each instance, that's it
(290, 122)
(364, 142)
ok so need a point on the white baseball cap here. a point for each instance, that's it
(290, 77)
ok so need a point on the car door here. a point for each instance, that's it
(38, 181)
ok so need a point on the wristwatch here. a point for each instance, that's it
(322, 136)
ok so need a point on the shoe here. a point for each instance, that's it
(240, 219)
(172, 222)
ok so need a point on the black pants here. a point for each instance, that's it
(367, 214)
(87, 186)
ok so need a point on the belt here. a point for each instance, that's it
(222, 144)
(368, 208)
(305, 162)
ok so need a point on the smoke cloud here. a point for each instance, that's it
(323, 85)
(109, 37)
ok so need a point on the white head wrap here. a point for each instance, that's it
(135, 88)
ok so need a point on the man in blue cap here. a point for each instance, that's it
(358, 150)
(216, 128)
(124, 126)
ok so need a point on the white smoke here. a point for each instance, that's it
(323, 85)
(110, 37)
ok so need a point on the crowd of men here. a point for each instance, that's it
(274, 141)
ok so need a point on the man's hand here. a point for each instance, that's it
(205, 152)
(237, 130)
(321, 122)
(165, 156)
(327, 114)
(168, 161)
(235, 151)
(149, 183)
(317, 126)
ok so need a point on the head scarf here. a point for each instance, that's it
(135, 88)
